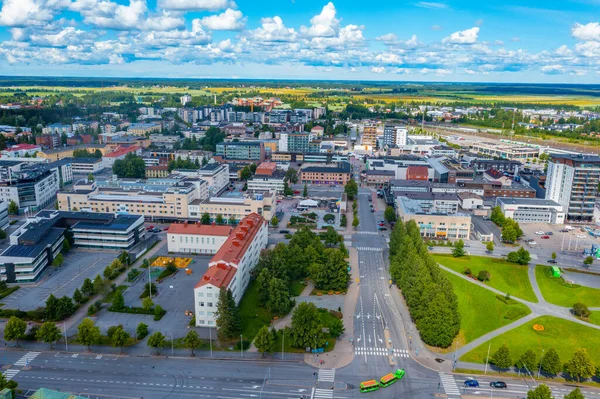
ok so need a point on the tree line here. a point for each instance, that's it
(428, 292)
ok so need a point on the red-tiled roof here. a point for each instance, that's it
(121, 151)
(234, 248)
(219, 275)
(18, 147)
(199, 229)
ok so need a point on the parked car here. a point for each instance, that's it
(472, 383)
(284, 232)
(545, 237)
(549, 233)
(381, 224)
(372, 210)
(581, 236)
(540, 233)
(498, 384)
(149, 228)
(381, 228)
(370, 199)
(552, 261)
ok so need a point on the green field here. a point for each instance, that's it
(563, 335)
(252, 316)
(506, 277)
(481, 312)
(558, 292)
(595, 317)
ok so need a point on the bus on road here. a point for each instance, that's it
(369, 386)
(389, 379)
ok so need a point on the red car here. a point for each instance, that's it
(296, 192)
(545, 237)
(381, 224)
(149, 227)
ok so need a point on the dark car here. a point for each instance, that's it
(381, 228)
(498, 384)
(372, 210)
(552, 261)
(549, 233)
(370, 199)
(472, 383)
(284, 232)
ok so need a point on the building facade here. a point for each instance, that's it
(196, 238)
(252, 151)
(532, 210)
(326, 174)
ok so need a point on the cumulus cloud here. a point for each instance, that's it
(195, 5)
(553, 69)
(24, 12)
(378, 70)
(588, 32)
(230, 19)
(468, 36)
(107, 14)
(324, 24)
(273, 30)
(388, 38)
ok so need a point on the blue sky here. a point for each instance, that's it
(498, 41)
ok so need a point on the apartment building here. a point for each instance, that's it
(157, 171)
(334, 174)
(230, 267)
(109, 159)
(140, 129)
(196, 238)
(394, 136)
(216, 175)
(376, 178)
(572, 181)
(31, 188)
(370, 134)
(86, 165)
(264, 182)
(242, 151)
(67, 152)
(58, 128)
(4, 222)
(251, 201)
(20, 151)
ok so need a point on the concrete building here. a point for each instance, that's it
(326, 174)
(196, 238)
(470, 201)
(157, 171)
(65, 171)
(260, 202)
(230, 267)
(31, 188)
(264, 182)
(371, 131)
(216, 175)
(58, 128)
(140, 129)
(4, 222)
(376, 178)
(532, 210)
(252, 151)
(503, 165)
(434, 225)
(20, 150)
(395, 136)
(572, 181)
(431, 202)
(505, 151)
(67, 152)
(86, 165)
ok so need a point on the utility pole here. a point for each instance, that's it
(65, 332)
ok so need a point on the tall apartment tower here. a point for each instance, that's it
(572, 181)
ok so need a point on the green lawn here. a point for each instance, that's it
(506, 277)
(481, 312)
(556, 291)
(252, 316)
(595, 317)
(563, 335)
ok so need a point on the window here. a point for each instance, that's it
(201, 304)
(200, 294)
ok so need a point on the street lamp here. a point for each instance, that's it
(171, 334)
(540, 368)
(242, 345)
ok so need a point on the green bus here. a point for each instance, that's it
(369, 386)
(389, 379)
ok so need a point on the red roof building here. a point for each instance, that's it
(196, 238)
(218, 276)
(121, 151)
(266, 168)
(416, 172)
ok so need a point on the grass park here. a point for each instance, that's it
(595, 318)
(506, 277)
(563, 335)
(558, 292)
(481, 311)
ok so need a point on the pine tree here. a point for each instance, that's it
(575, 394)
(227, 318)
(528, 360)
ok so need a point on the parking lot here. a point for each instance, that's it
(573, 241)
(79, 265)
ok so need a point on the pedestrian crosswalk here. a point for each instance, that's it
(27, 358)
(370, 249)
(381, 352)
(322, 393)
(326, 375)
(10, 373)
(373, 233)
(449, 384)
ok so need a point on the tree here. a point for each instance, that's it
(88, 333)
(332, 272)
(336, 328)
(355, 222)
(90, 177)
(246, 173)
(274, 221)
(253, 168)
(343, 220)
(291, 175)
(305, 191)
(3, 234)
(227, 318)
(502, 357)
(483, 275)
(306, 326)
(147, 304)
(520, 256)
(205, 218)
(192, 341)
(575, 394)
(78, 296)
(540, 392)
(66, 246)
(588, 260)
(15, 329)
(232, 220)
(141, 331)
(581, 310)
(509, 234)
(87, 288)
(265, 340)
(13, 208)
(48, 333)
(58, 261)
(497, 216)
(118, 302)
(157, 341)
(278, 301)
(459, 249)
(580, 367)
(490, 246)
(550, 363)
(125, 258)
(120, 338)
(528, 360)
(553, 256)
(132, 166)
(330, 237)
(390, 214)
(219, 219)
(351, 189)
(98, 284)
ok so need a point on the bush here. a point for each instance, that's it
(146, 292)
(581, 310)
(343, 220)
(329, 218)
(467, 271)
(243, 345)
(169, 270)
(141, 331)
(159, 312)
(483, 275)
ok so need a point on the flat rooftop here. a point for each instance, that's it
(528, 201)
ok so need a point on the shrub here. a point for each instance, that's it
(581, 310)
(141, 331)
(483, 275)
(467, 271)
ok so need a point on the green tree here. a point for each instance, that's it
(490, 246)
(330, 237)
(336, 329)
(87, 288)
(351, 189)
(58, 261)
(520, 256)
(355, 222)
(147, 304)
(264, 340)
(48, 333)
(3, 234)
(205, 218)
(120, 338)
(332, 272)
(502, 357)
(581, 310)
(232, 220)
(219, 219)
(553, 256)
(497, 216)
(98, 284)
(274, 221)
(157, 341)
(227, 318)
(132, 166)
(263, 281)
(551, 363)
(192, 341)
(118, 302)
(13, 208)
(540, 392)
(246, 173)
(509, 234)
(575, 394)
(305, 191)
(66, 246)
(390, 214)
(125, 258)
(483, 275)
(580, 367)
(87, 333)
(528, 360)
(306, 327)
(15, 329)
(279, 297)
(90, 177)
(141, 331)
(588, 260)
(78, 296)
(291, 175)
(459, 249)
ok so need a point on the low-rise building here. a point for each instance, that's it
(86, 165)
(378, 177)
(242, 151)
(58, 128)
(230, 267)
(67, 152)
(532, 210)
(108, 160)
(505, 151)
(20, 150)
(32, 187)
(274, 182)
(196, 238)
(337, 174)
(157, 171)
(470, 201)
(431, 202)
(235, 208)
(140, 129)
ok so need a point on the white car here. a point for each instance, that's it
(540, 233)
(581, 236)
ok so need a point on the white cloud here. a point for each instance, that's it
(388, 38)
(195, 5)
(588, 32)
(230, 19)
(563, 51)
(273, 30)
(67, 37)
(498, 43)
(468, 36)
(348, 36)
(110, 15)
(378, 70)
(431, 4)
(588, 49)
(412, 42)
(479, 22)
(388, 59)
(323, 25)
(553, 69)
(23, 12)
(164, 21)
